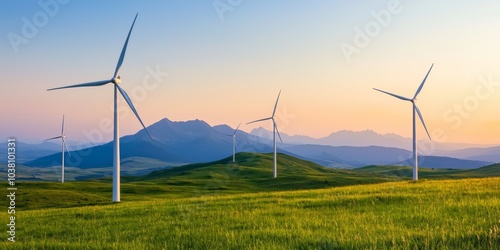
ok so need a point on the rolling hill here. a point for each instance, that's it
(251, 173)
(429, 173)
(445, 162)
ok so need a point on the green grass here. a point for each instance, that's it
(444, 214)
(225, 205)
(252, 173)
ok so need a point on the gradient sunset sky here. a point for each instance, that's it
(228, 67)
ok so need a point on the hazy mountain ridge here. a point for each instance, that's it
(196, 141)
(367, 138)
(26, 152)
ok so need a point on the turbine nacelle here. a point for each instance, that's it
(116, 80)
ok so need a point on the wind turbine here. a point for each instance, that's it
(115, 80)
(415, 109)
(275, 130)
(234, 141)
(63, 145)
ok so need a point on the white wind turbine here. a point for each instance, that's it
(275, 130)
(116, 137)
(234, 142)
(415, 109)
(63, 146)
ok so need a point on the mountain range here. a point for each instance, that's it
(173, 142)
(195, 141)
(367, 138)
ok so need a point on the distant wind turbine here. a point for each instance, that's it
(275, 131)
(116, 80)
(415, 109)
(63, 146)
(234, 141)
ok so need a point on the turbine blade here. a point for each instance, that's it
(264, 119)
(127, 99)
(422, 119)
(53, 138)
(122, 55)
(65, 146)
(276, 105)
(391, 94)
(423, 82)
(236, 129)
(62, 130)
(277, 131)
(87, 84)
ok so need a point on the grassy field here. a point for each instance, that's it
(444, 214)
(223, 205)
(253, 173)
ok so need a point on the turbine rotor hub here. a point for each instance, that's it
(116, 80)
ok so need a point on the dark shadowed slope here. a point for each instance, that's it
(429, 173)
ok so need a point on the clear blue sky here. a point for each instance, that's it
(230, 71)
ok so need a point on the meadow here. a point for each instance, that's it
(428, 214)
(251, 174)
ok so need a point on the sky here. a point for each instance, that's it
(225, 61)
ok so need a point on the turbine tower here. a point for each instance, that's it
(115, 80)
(63, 145)
(234, 141)
(415, 110)
(275, 131)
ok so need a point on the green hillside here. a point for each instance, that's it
(491, 170)
(252, 173)
(443, 214)
(407, 172)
